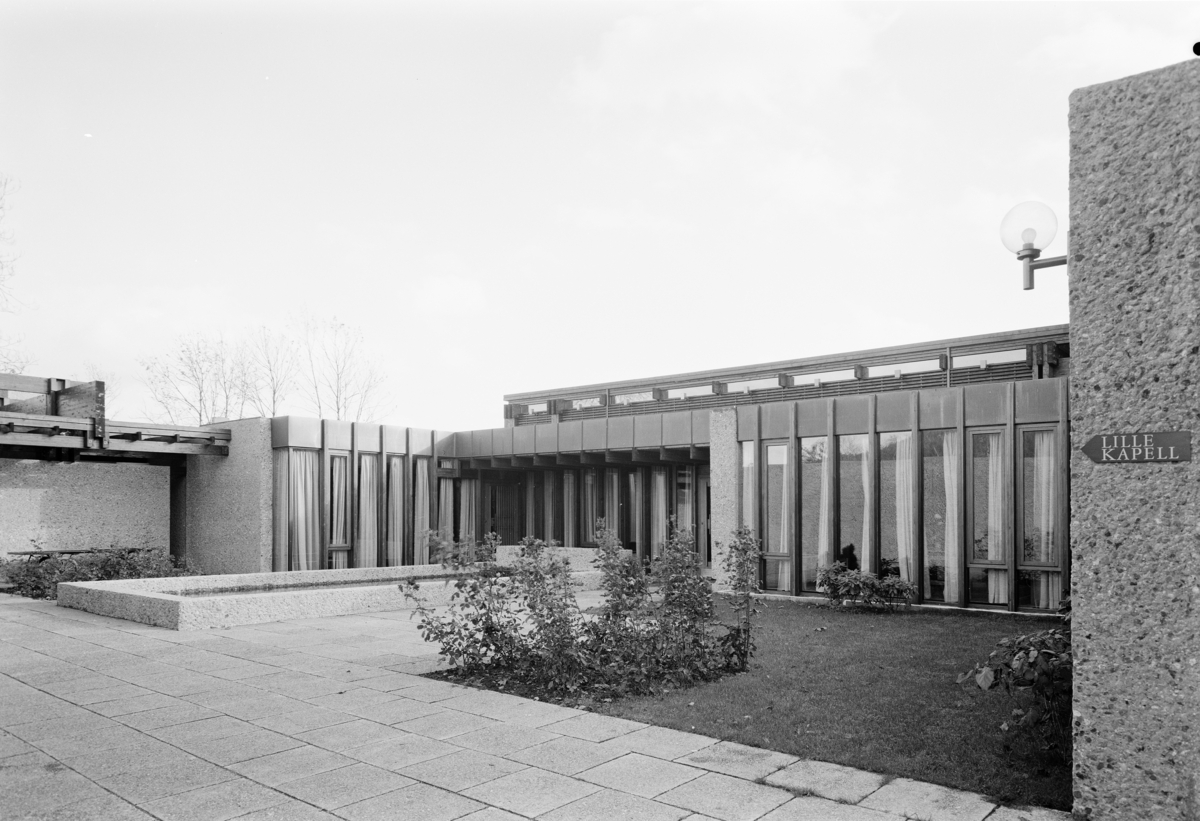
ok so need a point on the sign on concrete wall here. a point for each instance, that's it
(1122, 448)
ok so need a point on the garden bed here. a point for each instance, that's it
(875, 691)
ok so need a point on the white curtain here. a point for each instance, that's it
(685, 494)
(421, 510)
(394, 547)
(591, 504)
(997, 579)
(827, 550)
(338, 531)
(905, 503)
(445, 512)
(865, 551)
(658, 510)
(280, 520)
(1047, 591)
(548, 506)
(570, 506)
(952, 476)
(468, 492)
(748, 497)
(366, 546)
(531, 518)
(635, 535)
(612, 499)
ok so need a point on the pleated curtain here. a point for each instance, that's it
(997, 579)
(393, 554)
(366, 546)
(468, 492)
(421, 510)
(1047, 590)
(445, 512)
(591, 504)
(570, 508)
(906, 553)
(952, 477)
(658, 510)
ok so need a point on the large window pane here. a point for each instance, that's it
(685, 498)
(749, 497)
(777, 527)
(658, 510)
(854, 518)
(897, 503)
(591, 504)
(815, 540)
(941, 472)
(1039, 519)
(570, 508)
(339, 502)
(366, 548)
(988, 585)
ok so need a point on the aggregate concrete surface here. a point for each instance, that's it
(328, 718)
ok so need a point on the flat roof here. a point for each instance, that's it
(897, 353)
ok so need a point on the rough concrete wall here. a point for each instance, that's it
(229, 503)
(80, 505)
(724, 462)
(1135, 529)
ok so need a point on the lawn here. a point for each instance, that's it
(875, 691)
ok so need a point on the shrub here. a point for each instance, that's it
(841, 585)
(1037, 671)
(523, 623)
(38, 578)
(741, 565)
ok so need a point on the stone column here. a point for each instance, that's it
(230, 503)
(1135, 367)
(723, 482)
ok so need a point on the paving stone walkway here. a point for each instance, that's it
(328, 719)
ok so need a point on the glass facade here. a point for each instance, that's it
(815, 541)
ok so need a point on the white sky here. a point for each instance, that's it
(516, 196)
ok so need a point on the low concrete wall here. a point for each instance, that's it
(82, 505)
(204, 602)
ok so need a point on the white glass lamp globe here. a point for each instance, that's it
(1030, 224)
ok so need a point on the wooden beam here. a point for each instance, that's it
(645, 456)
(699, 453)
(545, 461)
(522, 461)
(501, 461)
(618, 457)
(673, 455)
(567, 458)
(33, 384)
(589, 458)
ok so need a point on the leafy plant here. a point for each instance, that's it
(523, 623)
(743, 556)
(1037, 670)
(841, 585)
(38, 578)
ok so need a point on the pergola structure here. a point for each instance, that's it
(59, 420)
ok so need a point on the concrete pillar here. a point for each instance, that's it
(230, 503)
(723, 481)
(1135, 368)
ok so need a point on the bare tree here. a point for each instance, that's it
(13, 358)
(338, 377)
(271, 370)
(203, 380)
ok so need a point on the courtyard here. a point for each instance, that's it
(330, 719)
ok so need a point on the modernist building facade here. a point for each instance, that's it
(945, 463)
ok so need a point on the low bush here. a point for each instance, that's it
(841, 585)
(1037, 671)
(38, 578)
(654, 629)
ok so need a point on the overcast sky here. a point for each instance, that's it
(515, 196)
